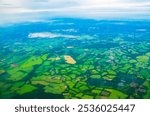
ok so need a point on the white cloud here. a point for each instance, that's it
(50, 35)
(75, 8)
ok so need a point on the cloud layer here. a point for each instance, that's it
(96, 9)
(49, 35)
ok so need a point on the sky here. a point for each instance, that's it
(34, 10)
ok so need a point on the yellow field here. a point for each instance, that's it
(69, 59)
